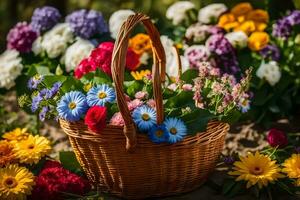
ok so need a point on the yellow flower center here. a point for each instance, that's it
(10, 182)
(145, 117)
(159, 133)
(257, 171)
(102, 95)
(72, 105)
(173, 131)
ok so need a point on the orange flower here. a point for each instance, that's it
(241, 9)
(226, 19)
(140, 43)
(247, 27)
(258, 15)
(6, 153)
(259, 26)
(258, 40)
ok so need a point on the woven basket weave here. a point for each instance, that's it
(126, 163)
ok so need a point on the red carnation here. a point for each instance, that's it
(95, 118)
(84, 67)
(132, 60)
(277, 138)
(53, 180)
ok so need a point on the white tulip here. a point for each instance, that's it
(211, 13)
(116, 20)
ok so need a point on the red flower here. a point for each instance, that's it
(101, 57)
(277, 138)
(95, 118)
(54, 179)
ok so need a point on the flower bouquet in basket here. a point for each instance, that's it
(122, 112)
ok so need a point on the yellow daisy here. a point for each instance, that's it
(256, 169)
(139, 75)
(292, 168)
(17, 134)
(6, 153)
(32, 149)
(15, 182)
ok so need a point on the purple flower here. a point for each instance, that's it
(51, 92)
(228, 160)
(294, 17)
(297, 149)
(34, 82)
(270, 52)
(228, 62)
(216, 30)
(43, 112)
(35, 102)
(197, 54)
(219, 45)
(87, 23)
(44, 18)
(282, 29)
(21, 37)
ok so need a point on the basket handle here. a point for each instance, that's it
(118, 68)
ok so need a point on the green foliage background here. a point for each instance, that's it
(12, 11)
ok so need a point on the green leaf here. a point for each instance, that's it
(69, 161)
(189, 75)
(71, 84)
(133, 87)
(228, 185)
(183, 99)
(197, 120)
(232, 117)
(49, 80)
(236, 189)
(284, 187)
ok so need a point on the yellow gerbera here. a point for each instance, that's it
(258, 40)
(32, 149)
(15, 182)
(17, 134)
(6, 153)
(247, 27)
(256, 169)
(241, 9)
(140, 43)
(139, 75)
(292, 168)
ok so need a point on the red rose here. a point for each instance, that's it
(95, 118)
(54, 179)
(277, 138)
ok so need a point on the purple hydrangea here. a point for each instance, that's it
(44, 18)
(197, 54)
(219, 45)
(87, 23)
(43, 112)
(283, 27)
(21, 37)
(270, 52)
(216, 30)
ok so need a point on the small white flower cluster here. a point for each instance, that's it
(10, 68)
(116, 20)
(210, 14)
(238, 39)
(270, 72)
(177, 11)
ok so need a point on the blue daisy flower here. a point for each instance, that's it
(72, 106)
(176, 129)
(159, 134)
(101, 94)
(244, 105)
(144, 117)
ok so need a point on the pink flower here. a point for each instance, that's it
(134, 104)
(187, 87)
(151, 103)
(173, 86)
(236, 91)
(217, 88)
(141, 95)
(117, 119)
(277, 138)
(214, 71)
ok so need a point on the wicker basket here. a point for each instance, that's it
(143, 169)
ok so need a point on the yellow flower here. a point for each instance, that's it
(226, 19)
(258, 15)
(17, 134)
(292, 168)
(259, 26)
(140, 75)
(241, 9)
(87, 87)
(32, 149)
(247, 27)
(140, 43)
(15, 182)
(256, 169)
(258, 40)
(6, 153)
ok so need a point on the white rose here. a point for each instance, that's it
(270, 72)
(55, 41)
(37, 46)
(116, 20)
(76, 52)
(10, 68)
(177, 11)
(237, 39)
(211, 13)
(171, 57)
